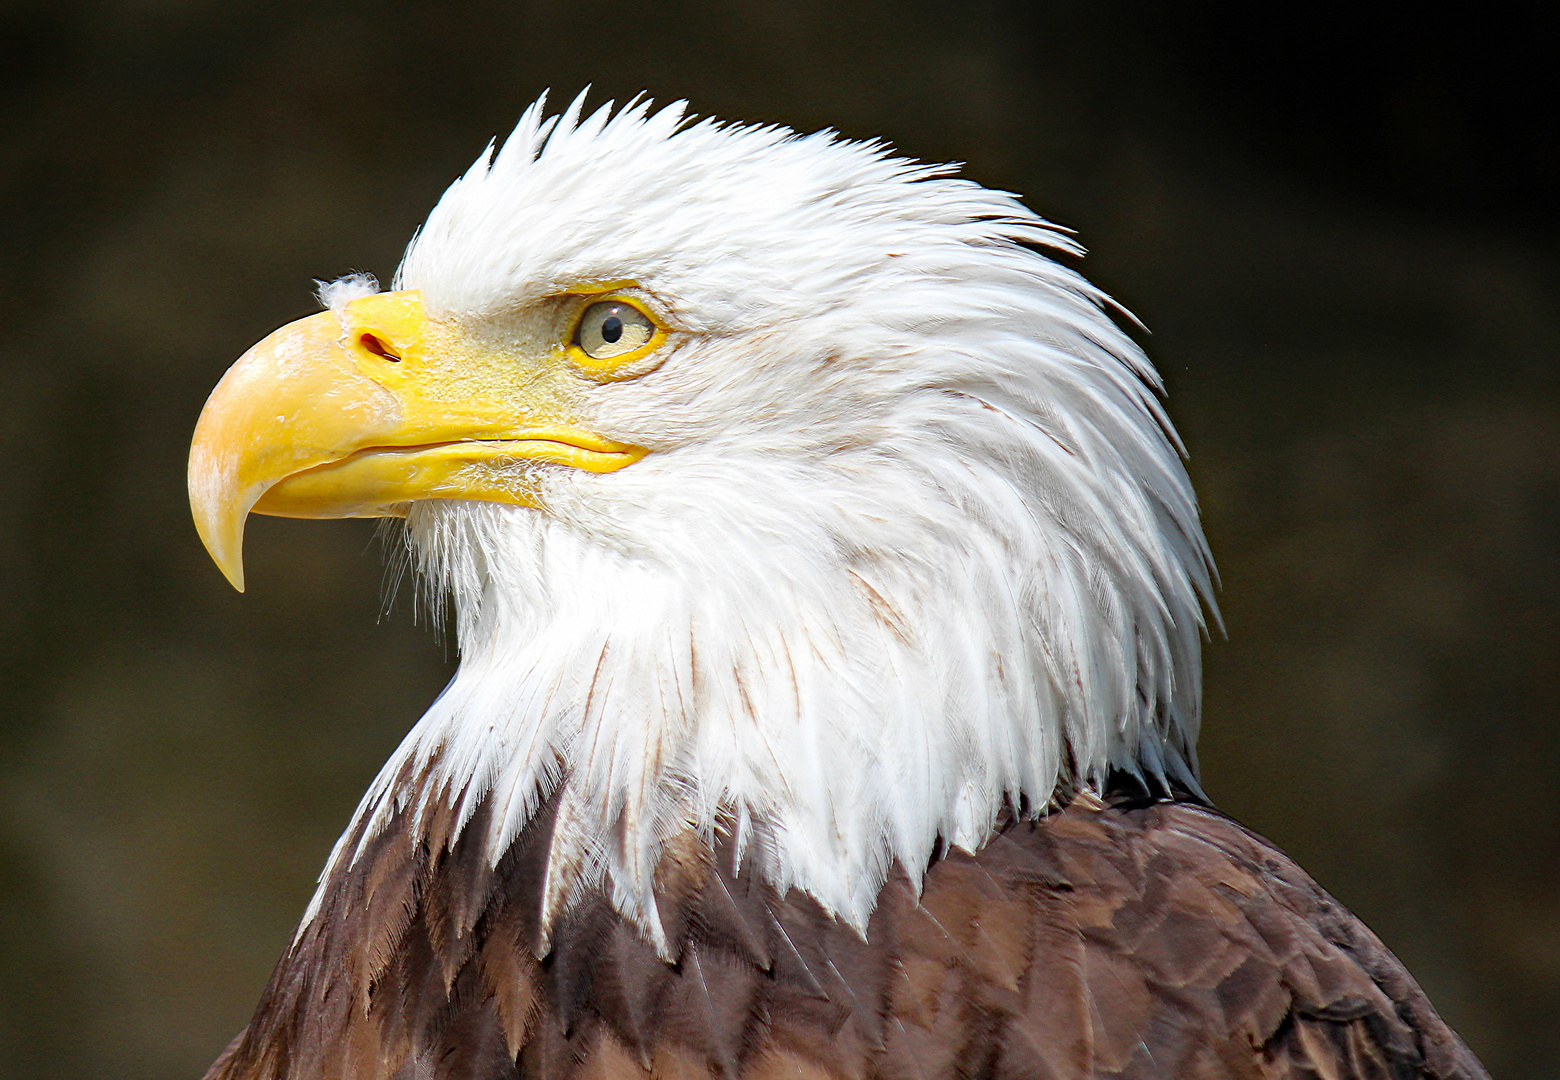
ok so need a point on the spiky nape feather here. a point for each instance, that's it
(913, 541)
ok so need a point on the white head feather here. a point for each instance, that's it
(913, 540)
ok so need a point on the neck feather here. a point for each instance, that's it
(826, 709)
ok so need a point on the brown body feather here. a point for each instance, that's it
(1147, 939)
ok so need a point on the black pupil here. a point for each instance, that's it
(611, 329)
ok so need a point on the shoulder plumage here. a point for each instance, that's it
(1153, 939)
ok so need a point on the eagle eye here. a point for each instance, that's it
(611, 328)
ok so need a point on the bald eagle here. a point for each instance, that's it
(830, 595)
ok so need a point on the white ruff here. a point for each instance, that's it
(914, 538)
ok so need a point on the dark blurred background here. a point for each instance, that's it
(1339, 224)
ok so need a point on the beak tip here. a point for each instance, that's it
(223, 539)
(220, 511)
(229, 561)
(229, 558)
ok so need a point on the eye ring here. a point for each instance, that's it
(612, 331)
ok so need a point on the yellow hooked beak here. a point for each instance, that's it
(359, 413)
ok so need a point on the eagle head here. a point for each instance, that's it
(786, 492)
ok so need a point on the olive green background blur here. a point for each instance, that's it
(1339, 227)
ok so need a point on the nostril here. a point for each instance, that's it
(378, 348)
